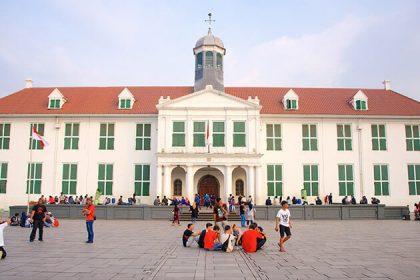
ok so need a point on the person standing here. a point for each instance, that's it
(219, 214)
(38, 218)
(285, 224)
(194, 212)
(89, 212)
(3, 225)
(176, 215)
(330, 199)
(250, 214)
(242, 214)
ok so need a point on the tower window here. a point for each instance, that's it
(219, 61)
(209, 59)
(291, 104)
(199, 61)
(360, 105)
(55, 104)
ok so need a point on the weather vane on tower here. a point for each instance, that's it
(209, 21)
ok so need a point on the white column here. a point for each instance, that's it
(250, 183)
(189, 178)
(159, 187)
(259, 191)
(166, 181)
(228, 182)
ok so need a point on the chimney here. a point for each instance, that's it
(387, 84)
(28, 83)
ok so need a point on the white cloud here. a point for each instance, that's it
(309, 60)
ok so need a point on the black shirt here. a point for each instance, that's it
(185, 236)
(39, 212)
(242, 209)
(194, 212)
(201, 238)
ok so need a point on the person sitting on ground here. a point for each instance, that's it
(288, 200)
(56, 200)
(15, 221)
(249, 239)
(344, 200)
(375, 200)
(189, 236)
(62, 198)
(299, 201)
(318, 201)
(294, 200)
(133, 198)
(183, 201)
(157, 201)
(268, 201)
(417, 211)
(71, 200)
(227, 239)
(23, 218)
(236, 232)
(260, 242)
(353, 200)
(51, 200)
(276, 200)
(211, 240)
(48, 221)
(203, 235)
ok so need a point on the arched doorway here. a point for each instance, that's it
(210, 185)
(239, 187)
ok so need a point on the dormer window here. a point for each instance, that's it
(125, 103)
(125, 100)
(291, 104)
(56, 100)
(54, 104)
(360, 105)
(360, 101)
(291, 100)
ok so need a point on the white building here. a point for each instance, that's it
(261, 141)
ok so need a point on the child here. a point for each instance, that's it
(2, 251)
(237, 233)
(285, 224)
(176, 215)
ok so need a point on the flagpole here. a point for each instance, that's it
(28, 184)
(208, 136)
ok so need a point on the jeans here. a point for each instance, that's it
(217, 247)
(37, 224)
(193, 220)
(260, 243)
(89, 227)
(243, 220)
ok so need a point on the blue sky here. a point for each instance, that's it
(354, 44)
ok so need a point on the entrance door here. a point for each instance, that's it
(210, 185)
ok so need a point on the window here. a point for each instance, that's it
(414, 179)
(273, 137)
(412, 137)
(33, 179)
(177, 187)
(361, 105)
(274, 180)
(142, 179)
(378, 137)
(3, 177)
(381, 181)
(55, 104)
(199, 134)
(291, 104)
(219, 61)
(310, 179)
(344, 140)
(239, 134)
(4, 136)
(143, 136)
(69, 182)
(106, 137)
(35, 144)
(105, 176)
(125, 103)
(239, 187)
(309, 138)
(71, 136)
(178, 134)
(218, 134)
(345, 179)
(209, 59)
(199, 60)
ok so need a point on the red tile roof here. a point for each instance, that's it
(104, 100)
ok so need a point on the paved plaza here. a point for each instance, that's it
(152, 250)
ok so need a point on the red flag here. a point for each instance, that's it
(208, 132)
(37, 136)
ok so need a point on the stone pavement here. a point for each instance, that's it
(152, 250)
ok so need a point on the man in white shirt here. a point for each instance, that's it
(2, 227)
(285, 224)
(227, 239)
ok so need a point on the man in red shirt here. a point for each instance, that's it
(249, 239)
(211, 240)
(89, 212)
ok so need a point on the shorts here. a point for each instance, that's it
(284, 229)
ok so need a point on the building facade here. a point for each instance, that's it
(179, 141)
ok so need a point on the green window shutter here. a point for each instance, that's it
(103, 130)
(239, 134)
(270, 188)
(306, 172)
(218, 134)
(314, 171)
(109, 171)
(342, 188)
(199, 134)
(305, 130)
(51, 103)
(279, 188)
(147, 130)
(294, 104)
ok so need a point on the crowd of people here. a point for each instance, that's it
(221, 236)
(328, 200)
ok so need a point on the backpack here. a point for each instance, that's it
(225, 245)
(201, 239)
